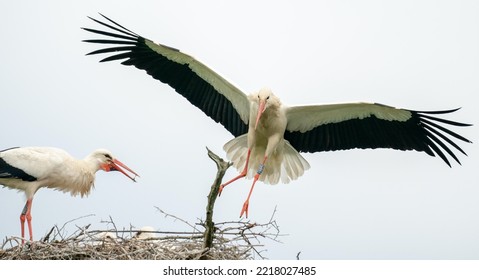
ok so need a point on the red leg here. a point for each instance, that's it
(26, 214)
(244, 210)
(22, 225)
(241, 175)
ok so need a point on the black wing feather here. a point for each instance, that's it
(419, 133)
(133, 50)
(8, 171)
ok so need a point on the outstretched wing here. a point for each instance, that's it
(333, 127)
(203, 87)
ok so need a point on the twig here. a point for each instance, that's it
(72, 220)
(176, 218)
(45, 239)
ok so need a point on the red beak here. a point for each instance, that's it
(261, 107)
(117, 165)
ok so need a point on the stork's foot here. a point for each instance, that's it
(245, 209)
(222, 186)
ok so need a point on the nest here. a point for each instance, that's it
(232, 241)
(238, 240)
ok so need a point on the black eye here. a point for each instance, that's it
(267, 98)
(107, 156)
(258, 96)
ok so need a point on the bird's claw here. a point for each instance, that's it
(245, 209)
(221, 189)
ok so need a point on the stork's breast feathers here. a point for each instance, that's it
(75, 182)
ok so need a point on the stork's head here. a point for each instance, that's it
(107, 162)
(266, 101)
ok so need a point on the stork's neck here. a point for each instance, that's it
(91, 163)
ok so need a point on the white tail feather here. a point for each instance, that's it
(284, 164)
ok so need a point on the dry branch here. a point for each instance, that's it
(209, 224)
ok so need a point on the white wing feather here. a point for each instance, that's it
(305, 118)
(237, 98)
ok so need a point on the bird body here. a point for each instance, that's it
(50, 168)
(265, 138)
(269, 135)
(30, 168)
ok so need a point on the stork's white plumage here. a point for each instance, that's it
(270, 135)
(144, 233)
(30, 168)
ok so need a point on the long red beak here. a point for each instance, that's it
(117, 165)
(261, 107)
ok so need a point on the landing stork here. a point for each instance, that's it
(270, 135)
(30, 168)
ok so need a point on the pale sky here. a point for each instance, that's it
(359, 204)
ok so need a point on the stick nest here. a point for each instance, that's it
(232, 241)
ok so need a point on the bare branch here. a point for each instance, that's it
(176, 218)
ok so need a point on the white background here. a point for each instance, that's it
(368, 204)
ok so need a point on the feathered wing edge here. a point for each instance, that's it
(201, 86)
(421, 131)
(433, 131)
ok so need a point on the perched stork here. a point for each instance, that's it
(30, 168)
(270, 135)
